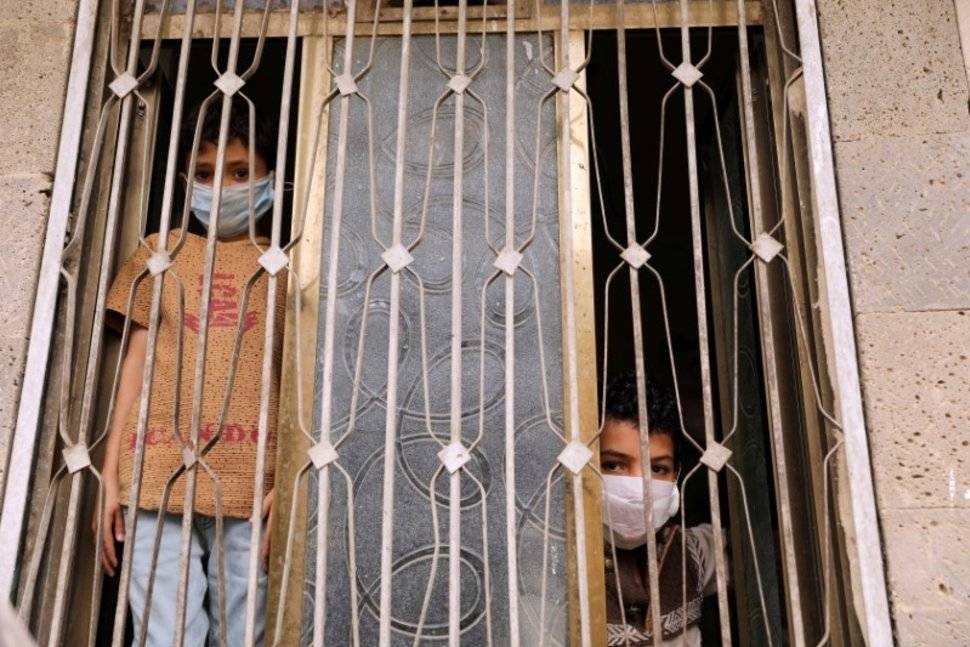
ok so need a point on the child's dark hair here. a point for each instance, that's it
(265, 138)
(622, 404)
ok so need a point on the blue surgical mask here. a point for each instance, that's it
(234, 211)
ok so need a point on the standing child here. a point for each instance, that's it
(229, 491)
(628, 610)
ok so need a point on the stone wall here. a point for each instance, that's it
(35, 51)
(898, 96)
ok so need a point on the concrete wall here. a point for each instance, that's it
(35, 51)
(898, 95)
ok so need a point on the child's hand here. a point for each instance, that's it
(112, 527)
(267, 527)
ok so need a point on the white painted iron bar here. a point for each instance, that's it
(457, 276)
(20, 456)
(327, 383)
(769, 358)
(636, 320)
(256, 519)
(702, 334)
(188, 509)
(837, 316)
(393, 343)
(93, 360)
(511, 512)
(121, 609)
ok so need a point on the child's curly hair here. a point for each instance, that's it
(265, 138)
(622, 404)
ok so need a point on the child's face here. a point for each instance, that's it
(620, 452)
(236, 169)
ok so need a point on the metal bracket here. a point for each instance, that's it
(273, 260)
(322, 454)
(687, 74)
(454, 456)
(229, 83)
(574, 456)
(158, 263)
(346, 84)
(123, 85)
(76, 457)
(766, 247)
(397, 257)
(565, 79)
(715, 456)
(636, 256)
(508, 261)
(459, 83)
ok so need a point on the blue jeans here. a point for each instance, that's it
(202, 601)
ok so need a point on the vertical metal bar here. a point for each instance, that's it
(769, 358)
(511, 512)
(188, 509)
(697, 242)
(330, 313)
(20, 456)
(629, 210)
(92, 365)
(164, 225)
(837, 318)
(457, 258)
(256, 519)
(393, 342)
(292, 465)
(569, 331)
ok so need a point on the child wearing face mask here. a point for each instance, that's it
(628, 605)
(225, 480)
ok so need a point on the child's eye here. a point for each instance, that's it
(611, 466)
(203, 176)
(241, 174)
(660, 470)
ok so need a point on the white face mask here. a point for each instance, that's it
(234, 204)
(623, 508)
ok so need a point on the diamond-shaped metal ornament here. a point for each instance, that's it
(454, 456)
(766, 247)
(397, 257)
(273, 260)
(458, 83)
(687, 74)
(346, 84)
(76, 457)
(229, 83)
(322, 454)
(508, 261)
(123, 84)
(574, 456)
(636, 256)
(189, 458)
(565, 79)
(715, 456)
(158, 263)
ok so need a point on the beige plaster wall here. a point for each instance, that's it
(898, 96)
(35, 49)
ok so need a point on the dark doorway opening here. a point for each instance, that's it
(666, 178)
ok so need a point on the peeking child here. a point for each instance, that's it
(628, 609)
(225, 479)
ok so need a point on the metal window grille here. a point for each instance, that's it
(437, 476)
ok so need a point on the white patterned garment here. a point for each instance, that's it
(700, 545)
(621, 635)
